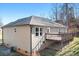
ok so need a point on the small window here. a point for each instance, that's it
(15, 30)
(37, 31)
(40, 31)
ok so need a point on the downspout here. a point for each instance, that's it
(30, 40)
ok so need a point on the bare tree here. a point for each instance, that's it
(67, 13)
(64, 15)
(53, 12)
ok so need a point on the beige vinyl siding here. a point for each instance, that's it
(36, 39)
(19, 39)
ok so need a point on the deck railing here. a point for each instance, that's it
(61, 36)
(53, 36)
(57, 37)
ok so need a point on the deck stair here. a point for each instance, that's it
(43, 46)
(49, 40)
(46, 44)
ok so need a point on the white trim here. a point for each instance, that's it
(38, 31)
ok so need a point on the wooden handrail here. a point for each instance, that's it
(58, 34)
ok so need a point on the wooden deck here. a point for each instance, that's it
(58, 37)
(53, 37)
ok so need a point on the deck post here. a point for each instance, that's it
(45, 36)
(61, 44)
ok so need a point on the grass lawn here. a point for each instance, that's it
(72, 49)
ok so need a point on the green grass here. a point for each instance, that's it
(72, 49)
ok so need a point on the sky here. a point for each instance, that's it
(10, 12)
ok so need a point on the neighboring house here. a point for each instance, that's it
(29, 34)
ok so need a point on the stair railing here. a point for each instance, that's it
(39, 43)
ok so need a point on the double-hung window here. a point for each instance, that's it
(38, 31)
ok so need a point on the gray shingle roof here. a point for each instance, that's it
(34, 20)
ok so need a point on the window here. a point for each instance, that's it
(14, 29)
(38, 31)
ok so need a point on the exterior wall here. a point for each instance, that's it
(19, 39)
(0, 35)
(36, 39)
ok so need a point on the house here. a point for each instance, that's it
(30, 33)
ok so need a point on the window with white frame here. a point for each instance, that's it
(41, 31)
(14, 29)
(38, 31)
